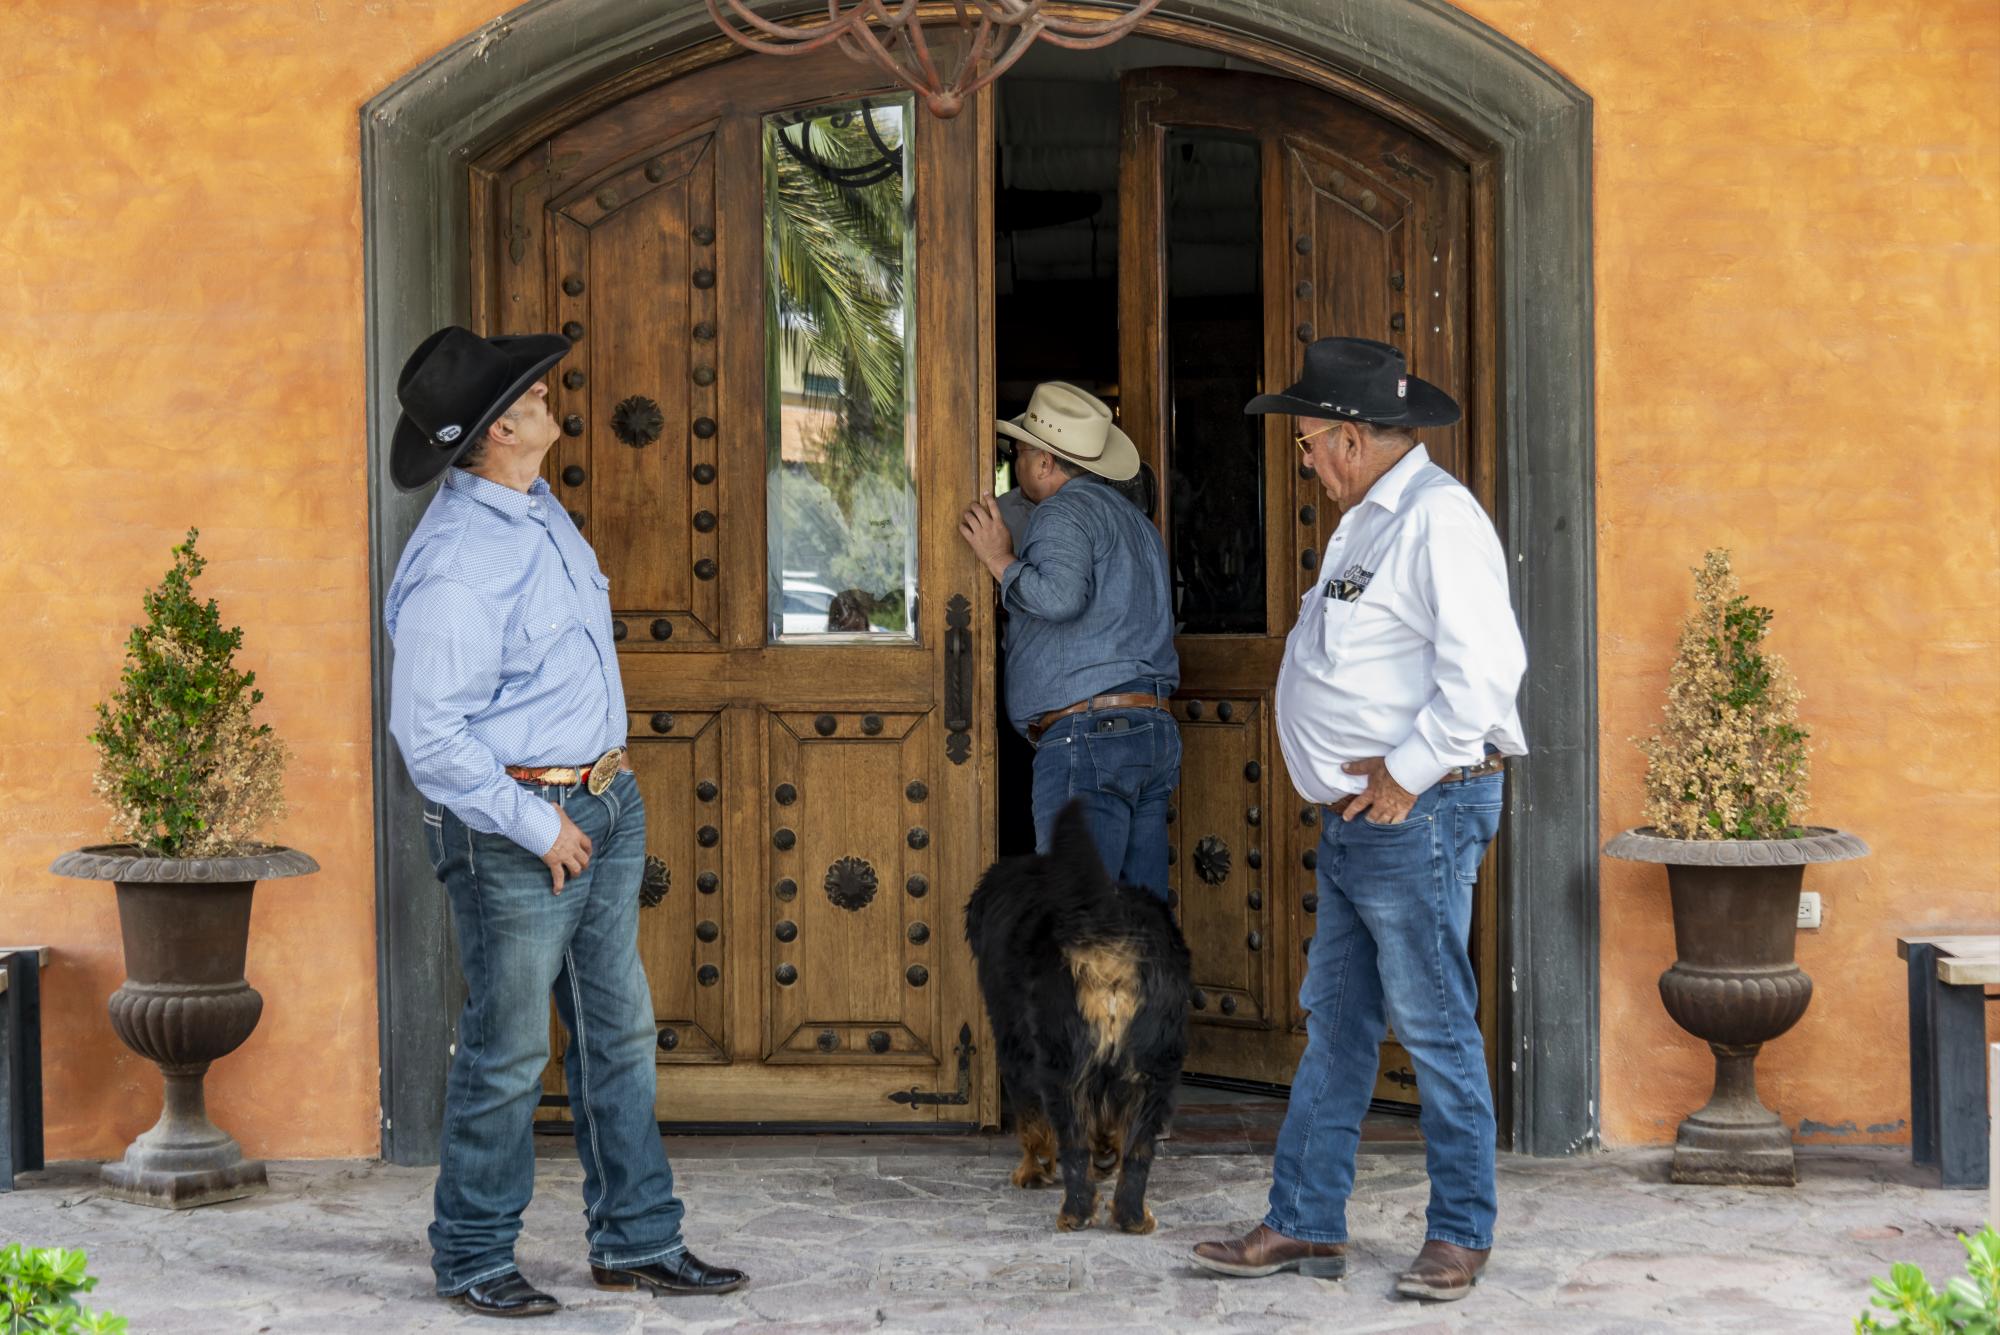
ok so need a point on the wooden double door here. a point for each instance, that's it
(778, 278)
(771, 421)
(1257, 215)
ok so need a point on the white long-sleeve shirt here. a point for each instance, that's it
(1407, 646)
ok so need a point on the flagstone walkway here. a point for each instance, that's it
(925, 1234)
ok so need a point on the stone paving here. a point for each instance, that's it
(926, 1234)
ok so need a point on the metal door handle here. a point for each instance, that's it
(958, 680)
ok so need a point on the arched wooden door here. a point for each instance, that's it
(1258, 214)
(771, 423)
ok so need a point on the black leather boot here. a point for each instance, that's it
(686, 1273)
(508, 1295)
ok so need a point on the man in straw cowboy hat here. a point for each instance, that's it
(1395, 704)
(507, 705)
(1090, 643)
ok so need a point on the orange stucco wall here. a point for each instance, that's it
(1798, 353)
(181, 343)
(1798, 322)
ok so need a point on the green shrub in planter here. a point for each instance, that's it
(191, 776)
(186, 770)
(38, 1288)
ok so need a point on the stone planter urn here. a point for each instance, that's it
(1735, 984)
(184, 1003)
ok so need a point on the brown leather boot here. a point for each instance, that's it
(1443, 1272)
(1265, 1251)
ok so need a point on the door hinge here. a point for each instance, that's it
(918, 1098)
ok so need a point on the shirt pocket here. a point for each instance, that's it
(1335, 620)
(539, 639)
(1369, 622)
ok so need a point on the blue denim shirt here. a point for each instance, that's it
(1090, 603)
(501, 622)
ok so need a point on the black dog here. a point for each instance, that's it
(1087, 984)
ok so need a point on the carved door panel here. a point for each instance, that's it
(771, 479)
(1220, 870)
(1257, 215)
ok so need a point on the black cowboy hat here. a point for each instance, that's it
(453, 387)
(1359, 380)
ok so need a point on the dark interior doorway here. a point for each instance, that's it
(1056, 258)
(1167, 230)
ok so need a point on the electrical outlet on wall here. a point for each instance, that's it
(1808, 909)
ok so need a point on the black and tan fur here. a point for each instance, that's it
(1087, 985)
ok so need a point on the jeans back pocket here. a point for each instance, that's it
(1121, 760)
(1473, 827)
(434, 837)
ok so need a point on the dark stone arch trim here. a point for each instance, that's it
(418, 136)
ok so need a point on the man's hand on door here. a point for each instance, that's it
(986, 533)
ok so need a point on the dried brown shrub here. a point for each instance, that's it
(1730, 760)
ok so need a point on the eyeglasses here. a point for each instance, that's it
(1306, 439)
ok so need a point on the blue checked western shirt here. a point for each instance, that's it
(1088, 603)
(501, 622)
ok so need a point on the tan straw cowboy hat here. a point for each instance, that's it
(1076, 426)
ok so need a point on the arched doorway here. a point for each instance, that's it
(556, 189)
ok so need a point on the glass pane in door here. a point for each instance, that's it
(1215, 329)
(840, 431)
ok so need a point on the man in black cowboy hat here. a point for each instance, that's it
(509, 710)
(1395, 705)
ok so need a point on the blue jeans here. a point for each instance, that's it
(1394, 917)
(517, 943)
(1124, 764)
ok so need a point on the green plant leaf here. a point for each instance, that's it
(1969, 1305)
(37, 1292)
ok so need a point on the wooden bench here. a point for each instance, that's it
(1993, 1135)
(1949, 1119)
(20, 1060)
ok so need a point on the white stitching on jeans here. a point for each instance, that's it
(483, 1277)
(444, 1150)
(583, 1071)
(1312, 1109)
(1443, 882)
(678, 1249)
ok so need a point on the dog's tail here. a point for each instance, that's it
(1075, 869)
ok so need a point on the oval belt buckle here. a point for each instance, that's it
(604, 769)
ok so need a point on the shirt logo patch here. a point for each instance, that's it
(1349, 585)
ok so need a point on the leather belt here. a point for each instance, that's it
(1490, 765)
(597, 775)
(1127, 700)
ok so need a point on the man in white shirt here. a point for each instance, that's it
(1395, 707)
